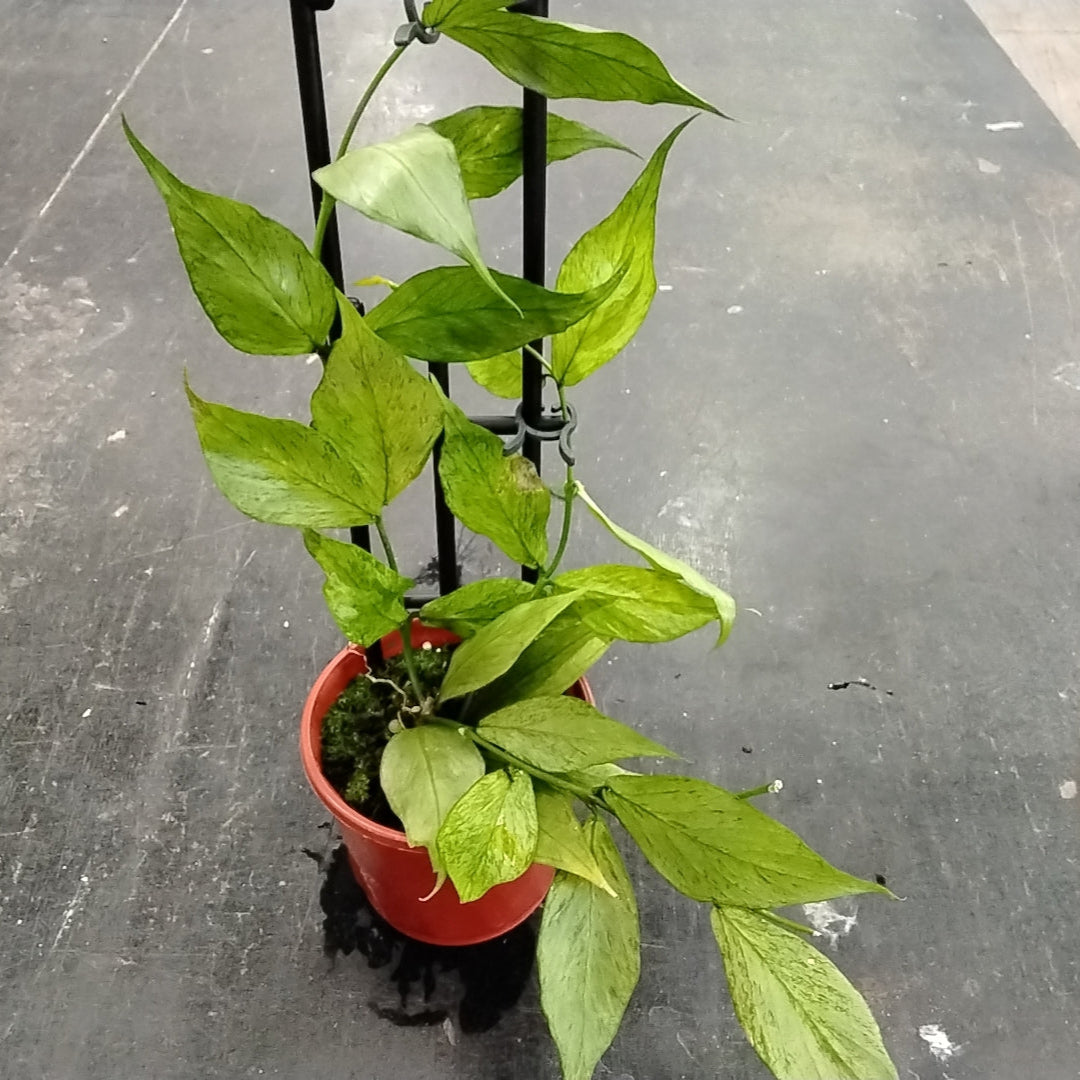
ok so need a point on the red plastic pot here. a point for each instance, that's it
(397, 877)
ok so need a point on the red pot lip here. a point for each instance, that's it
(311, 728)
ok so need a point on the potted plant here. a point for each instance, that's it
(470, 727)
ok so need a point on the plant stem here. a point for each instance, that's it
(326, 207)
(764, 789)
(569, 492)
(788, 924)
(408, 655)
(543, 363)
(586, 795)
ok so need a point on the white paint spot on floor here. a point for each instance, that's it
(735, 309)
(207, 52)
(988, 167)
(1068, 789)
(829, 921)
(941, 1046)
(665, 288)
(117, 436)
(1005, 125)
(120, 511)
(86, 713)
(1069, 374)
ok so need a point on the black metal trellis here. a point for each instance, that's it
(529, 426)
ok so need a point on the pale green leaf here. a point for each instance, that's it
(626, 238)
(262, 289)
(588, 957)
(560, 840)
(365, 597)
(552, 664)
(473, 606)
(715, 847)
(489, 835)
(805, 1020)
(381, 413)
(561, 733)
(492, 650)
(424, 771)
(559, 60)
(488, 142)
(668, 564)
(634, 604)
(497, 496)
(449, 315)
(278, 471)
(499, 375)
(412, 183)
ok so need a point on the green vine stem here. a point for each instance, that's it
(765, 789)
(407, 652)
(326, 207)
(569, 493)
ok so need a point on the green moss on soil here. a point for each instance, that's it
(356, 729)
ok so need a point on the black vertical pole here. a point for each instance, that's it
(445, 525)
(534, 254)
(313, 111)
(317, 140)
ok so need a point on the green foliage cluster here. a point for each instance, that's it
(490, 767)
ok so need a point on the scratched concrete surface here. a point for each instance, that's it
(857, 403)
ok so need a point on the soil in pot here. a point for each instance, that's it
(356, 729)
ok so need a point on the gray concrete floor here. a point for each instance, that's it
(856, 403)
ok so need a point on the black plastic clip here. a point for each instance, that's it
(552, 428)
(414, 29)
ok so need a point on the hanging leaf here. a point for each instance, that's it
(488, 141)
(499, 375)
(805, 1020)
(497, 496)
(549, 666)
(262, 289)
(560, 840)
(588, 956)
(365, 597)
(630, 603)
(450, 315)
(715, 847)
(668, 564)
(424, 771)
(561, 733)
(473, 606)
(489, 835)
(381, 413)
(411, 183)
(278, 471)
(492, 650)
(563, 61)
(626, 238)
